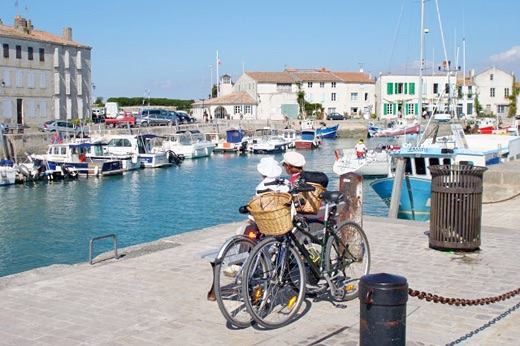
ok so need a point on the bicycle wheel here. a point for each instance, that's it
(347, 256)
(227, 278)
(275, 286)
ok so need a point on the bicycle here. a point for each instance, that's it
(228, 269)
(276, 274)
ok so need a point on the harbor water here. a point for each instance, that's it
(52, 223)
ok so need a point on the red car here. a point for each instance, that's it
(121, 120)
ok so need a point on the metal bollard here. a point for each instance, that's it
(382, 315)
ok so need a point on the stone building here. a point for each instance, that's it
(42, 76)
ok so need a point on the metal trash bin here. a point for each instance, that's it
(456, 207)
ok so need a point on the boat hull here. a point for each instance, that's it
(298, 144)
(415, 196)
(7, 175)
(328, 132)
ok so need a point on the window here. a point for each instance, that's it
(353, 96)
(409, 108)
(30, 53)
(238, 109)
(470, 92)
(388, 108)
(434, 161)
(56, 83)
(283, 87)
(6, 50)
(399, 89)
(435, 88)
(309, 85)
(491, 77)
(447, 88)
(501, 109)
(506, 92)
(67, 83)
(18, 52)
(79, 84)
(322, 85)
(446, 161)
(247, 109)
(333, 84)
(408, 166)
(42, 54)
(333, 96)
(366, 96)
(420, 166)
(491, 92)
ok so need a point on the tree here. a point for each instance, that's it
(512, 100)
(99, 101)
(478, 107)
(300, 98)
(214, 91)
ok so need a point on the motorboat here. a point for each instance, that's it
(189, 144)
(99, 151)
(72, 157)
(234, 142)
(398, 130)
(309, 139)
(267, 141)
(7, 173)
(290, 135)
(140, 145)
(375, 162)
(322, 129)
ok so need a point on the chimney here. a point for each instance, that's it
(20, 24)
(67, 33)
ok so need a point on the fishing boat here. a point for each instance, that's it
(235, 141)
(140, 145)
(290, 135)
(309, 139)
(190, 144)
(398, 130)
(72, 157)
(267, 141)
(328, 131)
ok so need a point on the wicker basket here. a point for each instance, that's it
(272, 212)
(312, 200)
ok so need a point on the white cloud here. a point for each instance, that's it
(510, 55)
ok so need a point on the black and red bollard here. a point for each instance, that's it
(382, 314)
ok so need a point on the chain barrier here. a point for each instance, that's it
(502, 200)
(460, 301)
(484, 326)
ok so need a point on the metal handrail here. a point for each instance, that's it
(91, 247)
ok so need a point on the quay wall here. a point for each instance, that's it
(33, 141)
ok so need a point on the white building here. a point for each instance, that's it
(274, 95)
(398, 95)
(494, 87)
(43, 76)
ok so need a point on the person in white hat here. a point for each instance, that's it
(293, 163)
(270, 171)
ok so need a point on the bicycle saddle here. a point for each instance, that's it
(332, 196)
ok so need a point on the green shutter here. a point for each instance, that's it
(416, 108)
(385, 110)
(412, 88)
(389, 89)
(395, 89)
(405, 108)
(394, 108)
(406, 88)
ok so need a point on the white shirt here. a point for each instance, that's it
(360, 147)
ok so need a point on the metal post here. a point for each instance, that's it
(382, 312)
(396, 189)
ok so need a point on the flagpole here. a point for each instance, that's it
(218, 78)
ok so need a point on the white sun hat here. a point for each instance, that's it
(269, 167)
(294, 159)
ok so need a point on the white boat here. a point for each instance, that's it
(190, 144)
(72, 157)
(376, 162)
(140, 145)
(290, 136)
(99, 151)
(267, 141)
(7, 173)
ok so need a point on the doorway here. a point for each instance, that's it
(19, 111)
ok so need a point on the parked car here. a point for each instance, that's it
(152, 117)
(335, 116)
(185, 116)
(121, 120)
(63, 127)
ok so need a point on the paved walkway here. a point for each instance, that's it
(156, 295)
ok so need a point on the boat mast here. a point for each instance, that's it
(421, 68)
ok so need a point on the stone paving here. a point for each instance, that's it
(159, 297)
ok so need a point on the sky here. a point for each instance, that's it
(168, 48)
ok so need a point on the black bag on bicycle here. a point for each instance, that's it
(315, 177)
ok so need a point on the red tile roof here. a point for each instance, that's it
(36, 35)
(236, 98)
(313, 75)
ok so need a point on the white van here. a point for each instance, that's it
(112, 109)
